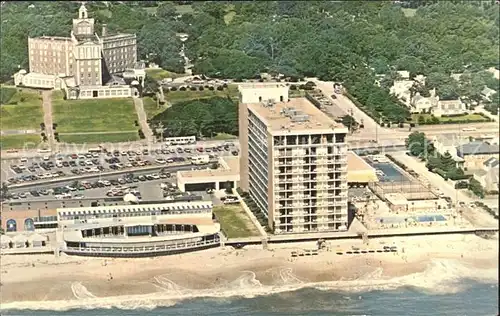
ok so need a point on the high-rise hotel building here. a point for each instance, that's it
(293, 161)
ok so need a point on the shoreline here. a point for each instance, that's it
(426, 262)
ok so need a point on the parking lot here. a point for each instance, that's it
(145, 185)
(74, 164)
(104, 192)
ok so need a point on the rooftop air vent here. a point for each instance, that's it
(300, 118)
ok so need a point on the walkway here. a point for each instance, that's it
(18, 132)
(143, 120)
(47, 117)
(95, 133)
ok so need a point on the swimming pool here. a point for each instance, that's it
(431, 218)
(391, 173)
(390, 220)
(420, 219)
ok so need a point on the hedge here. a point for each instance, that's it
(441, 172)
(362, 107)
(455, 177)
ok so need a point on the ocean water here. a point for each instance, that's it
(474, 298)
(445, 287)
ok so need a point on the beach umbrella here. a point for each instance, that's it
(37, 240)
(5, 241)
(20, 241)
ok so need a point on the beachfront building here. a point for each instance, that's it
(137, 230)
(226, 176)
(293, 161)
(84, 65)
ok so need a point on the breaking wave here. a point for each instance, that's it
(440, 277)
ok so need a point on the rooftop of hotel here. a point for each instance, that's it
(53, 38)
(298, 114)
(117, 36)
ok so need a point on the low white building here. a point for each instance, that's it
(228, 173)
(448, 143)
(488, 175)
(137, 230)
(36, 80)
(420, 104)
(405, 75)
(487, 93)
(261, 92)
(401, 89)
(105, 92)
(449, 107)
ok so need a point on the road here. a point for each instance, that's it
(373, 131)
(345, 104)
(477, 216)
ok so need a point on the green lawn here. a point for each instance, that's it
(99, 138)
(22, 111)
(180, 96)
(6, 93)
(102, 115)
(297, 93)
(20, 141)
(409, 12)
(159, 74)
(183, 9)
(223, 136)
(234, 221)
(151, 107)
(470, 117)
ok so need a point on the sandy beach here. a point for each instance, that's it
(421, 261)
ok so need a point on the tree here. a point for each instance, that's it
(349, 122)
(166, 10)
(447, 163)
(421, 120)
(417, 145)
(476, 188)
(203, 117)
(228, 187)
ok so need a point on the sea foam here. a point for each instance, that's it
(440, 277)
